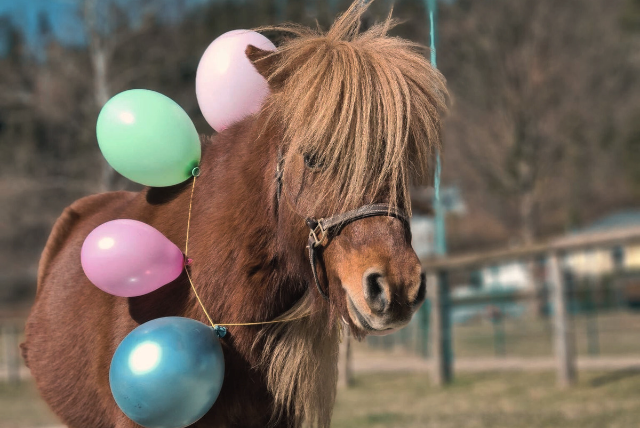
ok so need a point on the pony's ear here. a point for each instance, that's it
(265, 62)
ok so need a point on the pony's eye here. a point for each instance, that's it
(312, 161)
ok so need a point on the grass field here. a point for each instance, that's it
(407, 400)
(21, 407)
(476, 400)
(490, 400)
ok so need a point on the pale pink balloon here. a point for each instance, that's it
(129, 258)
(228, 86)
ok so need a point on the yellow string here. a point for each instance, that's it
(198, 297)
(186, 269)
(268, 322)
(186, 244)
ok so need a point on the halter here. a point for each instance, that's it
(322, 231)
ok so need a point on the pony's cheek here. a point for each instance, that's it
(344, 269)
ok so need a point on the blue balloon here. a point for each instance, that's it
(167, 373)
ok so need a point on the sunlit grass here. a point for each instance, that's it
(21, 407)
(490, 400)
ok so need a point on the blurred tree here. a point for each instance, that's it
(631, 152)
(15, 85)
(631, 15)
(631, 22)
(544, 114)
(533, 98)
(108, 26)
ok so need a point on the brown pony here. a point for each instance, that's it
(352, 120)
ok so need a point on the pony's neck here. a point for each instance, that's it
(244, 255)
(250, 266)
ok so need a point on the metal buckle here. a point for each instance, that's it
(318, 231)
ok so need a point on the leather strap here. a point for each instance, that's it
(312, 260)
(326, 228)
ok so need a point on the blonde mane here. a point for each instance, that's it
(366, 105)
(301, 362)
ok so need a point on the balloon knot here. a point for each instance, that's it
(195, 172)
(220, 331)
(189, 262)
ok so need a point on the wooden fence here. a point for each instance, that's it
(439, 270)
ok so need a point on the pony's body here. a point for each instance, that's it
(230, 258)
(351, 120)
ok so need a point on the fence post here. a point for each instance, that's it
(498, 333)
(593, 343)
(442, 355)
(11, 357)
(333, 7)
(618, 280)
(562, 326)
(345, 360)
(281, 10)
(424, 313)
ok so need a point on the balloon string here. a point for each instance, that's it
(198, 297)
(186, 244)
(193, 287)
(186, 251)
(265, 322)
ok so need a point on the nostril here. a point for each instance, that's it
(422, 291)
(373, 285)
(374, 292)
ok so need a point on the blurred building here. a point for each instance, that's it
(609, 272)
(604, 261)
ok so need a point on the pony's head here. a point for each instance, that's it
(355, 118)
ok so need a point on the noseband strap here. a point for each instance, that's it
(323, 230)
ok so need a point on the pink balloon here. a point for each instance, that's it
(129, 258)
(228, 86)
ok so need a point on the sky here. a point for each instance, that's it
(63, 16)
(64, 19)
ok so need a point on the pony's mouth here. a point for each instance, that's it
(361, 321)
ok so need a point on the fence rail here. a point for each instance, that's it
(558, 288)
(622, 236)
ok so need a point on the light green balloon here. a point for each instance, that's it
(148, 138)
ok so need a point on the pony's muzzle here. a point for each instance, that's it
(383, 302)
